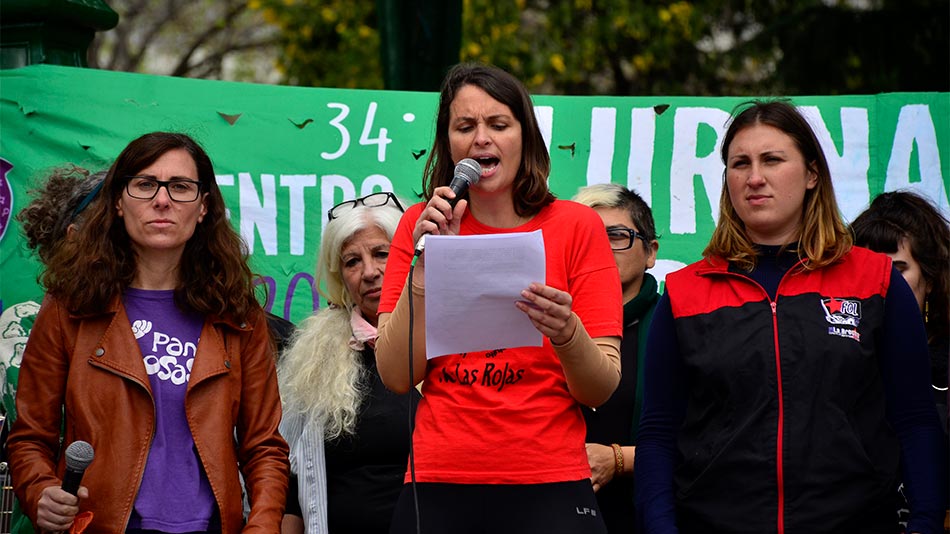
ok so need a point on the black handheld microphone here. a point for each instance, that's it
(79, 455)
(467, 173)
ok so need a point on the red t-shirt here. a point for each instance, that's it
(506, 416)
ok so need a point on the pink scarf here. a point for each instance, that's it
(364, 334)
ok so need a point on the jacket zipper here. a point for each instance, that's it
(780, 433)
(779, 461)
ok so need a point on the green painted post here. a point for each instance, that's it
(57, 32)
(419, 41)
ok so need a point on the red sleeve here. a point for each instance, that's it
(593, 278)
(400, 256)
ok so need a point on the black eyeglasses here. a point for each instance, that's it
(146, 187)
(374, 200)
(622, 238)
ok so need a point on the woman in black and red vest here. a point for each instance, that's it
(787, 371)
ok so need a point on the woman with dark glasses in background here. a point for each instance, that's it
(612, 427)
(348, 434)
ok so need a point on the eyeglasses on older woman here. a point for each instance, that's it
(373, 200)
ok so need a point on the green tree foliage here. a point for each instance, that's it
(329, 43)
(714, 47)
(621, 47)
(583, 47)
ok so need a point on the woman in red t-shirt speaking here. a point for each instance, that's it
(499, 439)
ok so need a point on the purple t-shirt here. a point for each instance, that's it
(175, 495)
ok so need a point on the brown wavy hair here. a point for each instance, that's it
(824, 237)
(899, 215)
(56, 204)
(98, 262)
(530, 190)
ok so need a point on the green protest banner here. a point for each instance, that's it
(284, 155)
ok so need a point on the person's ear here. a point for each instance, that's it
(204, 207)
(652, 247)
(812, 176)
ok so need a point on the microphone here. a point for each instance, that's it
(467, 173)
(79, 455)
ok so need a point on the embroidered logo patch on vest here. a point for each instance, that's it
(842, 313)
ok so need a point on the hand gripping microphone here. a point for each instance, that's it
(467, 173)
(79, 455)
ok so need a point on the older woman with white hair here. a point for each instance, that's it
(348, 435)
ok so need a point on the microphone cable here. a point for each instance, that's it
(467, 172)
(412, 413)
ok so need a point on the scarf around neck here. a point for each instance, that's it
(364, 334)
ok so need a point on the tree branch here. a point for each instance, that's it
(216, 27)
(170, 13)
(219, 55)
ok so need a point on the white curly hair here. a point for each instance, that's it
(320, 376)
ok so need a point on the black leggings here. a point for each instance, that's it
(556, 508)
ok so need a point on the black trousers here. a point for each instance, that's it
(555, 508)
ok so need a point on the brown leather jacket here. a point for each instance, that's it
(90, 368)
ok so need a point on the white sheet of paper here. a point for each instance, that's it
(472, 283)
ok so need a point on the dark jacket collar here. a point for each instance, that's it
(634, 310)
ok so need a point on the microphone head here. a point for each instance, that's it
(79, 455)
(469, 170)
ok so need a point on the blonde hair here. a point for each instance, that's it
(824, 237)
(619, 197)
(320, 376)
